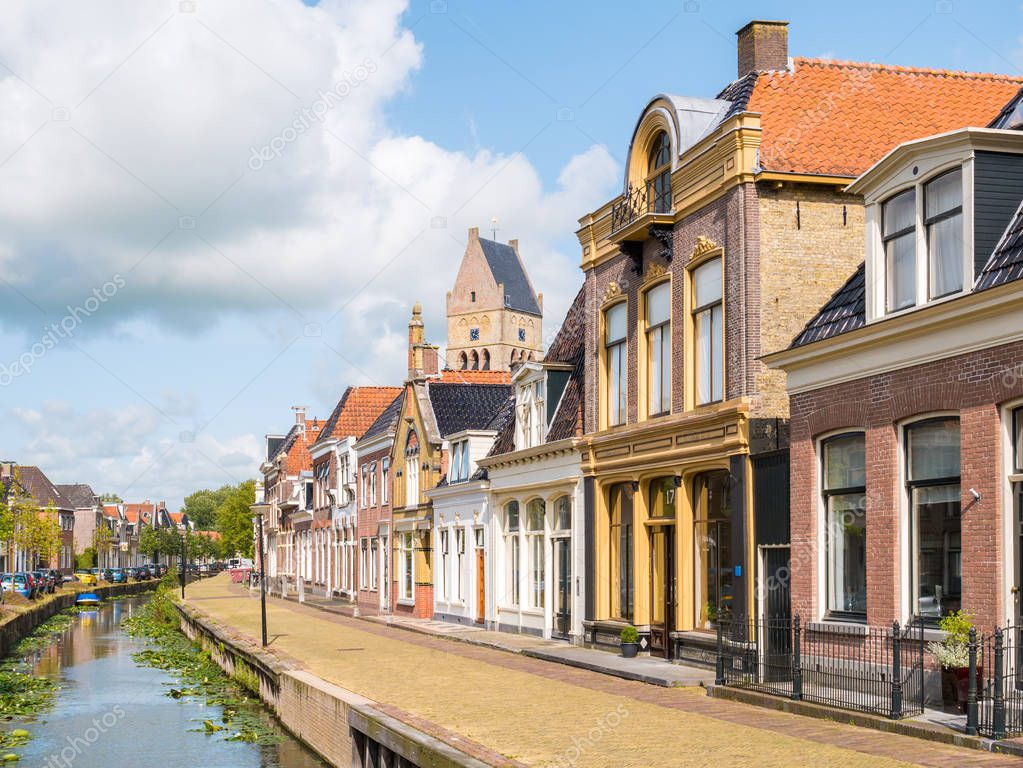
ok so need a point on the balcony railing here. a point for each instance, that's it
(637, 202)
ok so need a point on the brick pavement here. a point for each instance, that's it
(543, 713)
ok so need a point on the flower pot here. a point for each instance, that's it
(629, 650)
(955, 687)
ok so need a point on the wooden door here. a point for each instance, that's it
(481, 588)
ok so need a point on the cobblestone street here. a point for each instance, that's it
(541, 713)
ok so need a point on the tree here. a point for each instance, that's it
(234, 520)
(157, 541)
(201, 506)
(111, 498)
(102, 539)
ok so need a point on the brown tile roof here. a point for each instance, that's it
(39, 487)
(837, 118)
(451, 376)
(110, 511)
(356, 411)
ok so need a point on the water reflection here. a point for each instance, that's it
(111, 712)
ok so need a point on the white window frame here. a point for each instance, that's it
(385, 480)
(617, 379)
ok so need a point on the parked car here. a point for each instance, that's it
(57, 576)
(45, 581)
(20, 583)
(118, 576)
(86, 577)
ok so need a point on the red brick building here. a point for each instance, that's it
(907, 398)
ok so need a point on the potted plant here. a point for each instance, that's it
(710, 613)
(630, 642)
(953, 654)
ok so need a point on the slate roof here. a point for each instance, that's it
(507, 268)
(39, 487)
(356, 411)
(1011, 116)
(458, 407)
(79, 494)
(388, 420)
(1006, 263)
(836, 118)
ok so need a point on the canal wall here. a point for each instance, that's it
(343, 728)
(15, 627)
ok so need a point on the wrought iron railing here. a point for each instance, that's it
(994, 701)
(878, 670)
(637, 201)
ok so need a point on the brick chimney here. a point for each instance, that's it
(763, 46)
(299, 416)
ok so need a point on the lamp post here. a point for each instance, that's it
(184, 564)
(258, 512)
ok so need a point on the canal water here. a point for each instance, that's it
(110, 712)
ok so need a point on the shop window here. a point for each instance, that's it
(713, 541)
(843, 473)
(621, 540)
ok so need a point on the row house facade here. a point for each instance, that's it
(907, 396)
(735, 224)
(53, 503)
(334, 529)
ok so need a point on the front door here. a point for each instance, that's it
(563, 594)
(662, 589)
(385, 577)
(481, 588)
(777, 614)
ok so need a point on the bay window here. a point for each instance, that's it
(898, 217)
(932, 485)
(658, 342)
(708, 332)
(943, 219)
(535, 514)
(616, 333)
(843, 473)
(623, 586)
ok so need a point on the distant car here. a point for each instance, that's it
(57, 576)
(118, 576)
(86, 577)
(45, 581)
(20, 583)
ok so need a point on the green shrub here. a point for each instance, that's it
(630, 635)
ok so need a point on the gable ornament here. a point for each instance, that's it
(612, 291)
(655, 270)
(703, 245)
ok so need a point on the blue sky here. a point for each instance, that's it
(243, 292)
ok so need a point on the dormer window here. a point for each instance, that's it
(899, 217)
(658, 184)
(531, 418)
(943, 202)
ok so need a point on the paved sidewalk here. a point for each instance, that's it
(550, 714)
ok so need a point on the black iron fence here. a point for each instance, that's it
(638, 201)
(994, 701)
(878, 670)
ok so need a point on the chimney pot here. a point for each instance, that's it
(514, 244)
(299, 414)
(474, 233)
(763, 46)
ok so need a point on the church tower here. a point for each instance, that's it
(495, 318)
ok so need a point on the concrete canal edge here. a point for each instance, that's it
(343, 728)
(21, 625)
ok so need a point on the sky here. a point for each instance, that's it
(213, 210)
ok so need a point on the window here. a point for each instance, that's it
(658, 342)
(620, 507)
(463, 361)
(406, 556)
(385, 481)
(472, 296)
(486, 359)
(943, 220)
(445, 555)
(411, 469)
(713, 539)
(535, 514)
(932, 482)
(531, 419)
(563, 514)
(658, 185)
(708, 332)
(364, 486)
(662, 497)
(844, 480)
(898, 217)
(617, 362)
(363, 563)
(511, 512)
(373, 484)
(374, 545)
(459, 562)
(474, 359)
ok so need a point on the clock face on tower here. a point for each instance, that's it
(522, 334)
(474, 334)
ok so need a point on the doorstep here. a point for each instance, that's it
(931, 726)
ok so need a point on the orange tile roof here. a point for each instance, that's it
(214, 535)
(132, 512)
(450, 376)
(837, 118)
(110, 510)
(298, 458)
(356, 411)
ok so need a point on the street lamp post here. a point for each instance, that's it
(184, 564)
(258, 511)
